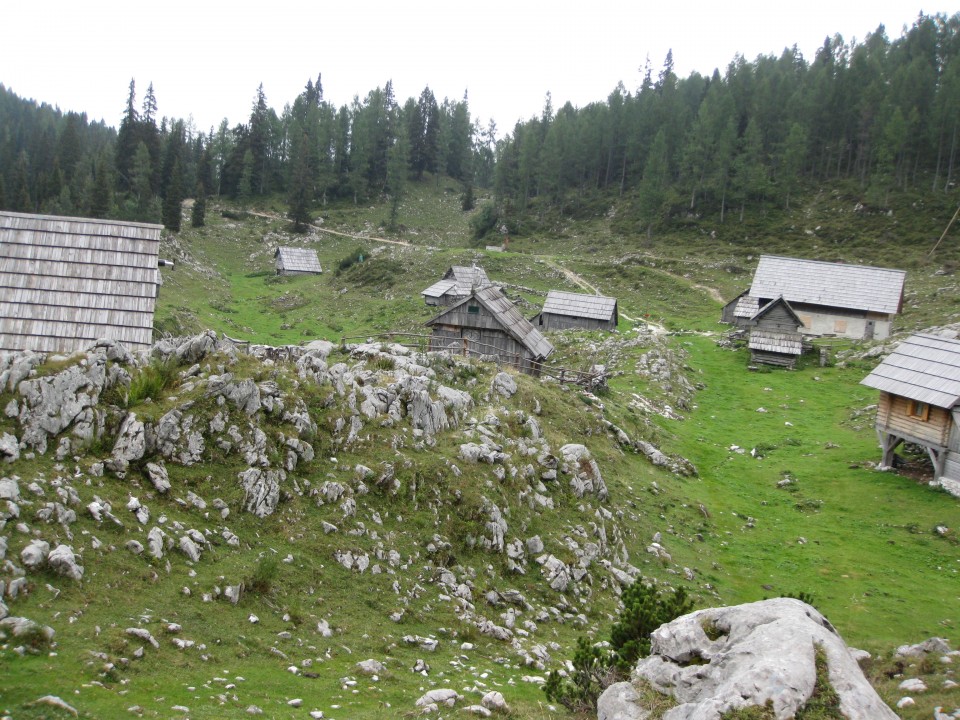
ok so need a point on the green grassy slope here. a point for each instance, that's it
(861, 542)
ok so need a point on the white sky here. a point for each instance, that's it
(206, 58)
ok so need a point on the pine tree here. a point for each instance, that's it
(301, 184)
(173, 199)
(198, 215)
(100, 198)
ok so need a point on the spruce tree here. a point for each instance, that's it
(198, 215)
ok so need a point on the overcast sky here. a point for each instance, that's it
(206, 58)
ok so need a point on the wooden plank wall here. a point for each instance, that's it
(893, 417)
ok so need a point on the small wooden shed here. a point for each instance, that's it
(775, 337)
(487, 323)
(457, 282)
(67, 282)
(567, 310)
(919, 384)
(852, 301)
(297, 261)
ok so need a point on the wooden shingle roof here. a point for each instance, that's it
(594, 307)
(458, 281)
(303, 260)
(787, 343)
(67, 282)
(814, 282)
(925, 368)
(468, 277)
(513, 323)
(746, 307)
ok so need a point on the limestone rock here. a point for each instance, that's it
(63, 561)
(619, 702)
(34, 555)
(765, 651)
(503, 384)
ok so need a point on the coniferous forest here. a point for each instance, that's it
(883, 114)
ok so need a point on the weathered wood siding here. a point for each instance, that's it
(764, 357)
(893, 417)
(478, 334)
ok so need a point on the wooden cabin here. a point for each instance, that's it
(919, 384)
(851, 301)
(775, 337)
(487, 323)
(457, 282)
(297, 261)
(66, 283)
(567, 310)
(727, 313)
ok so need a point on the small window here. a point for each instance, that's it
(918, 410)
(839, 326)
(473, 309)
(807, 321)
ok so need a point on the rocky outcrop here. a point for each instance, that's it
(717, 660)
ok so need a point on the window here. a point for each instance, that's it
(918, 410)
(839, 326)
(473, 309)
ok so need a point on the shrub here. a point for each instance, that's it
(596, 667)
(264, 575)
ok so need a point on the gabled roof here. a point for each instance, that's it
(299, 259)
(513, 323)
(594, 307)
(925, 368)
(468, 277)
(779, 302)
(67, 282)
(854, 287)
(458, 281)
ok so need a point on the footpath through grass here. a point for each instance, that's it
(795, 506)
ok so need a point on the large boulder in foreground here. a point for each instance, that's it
(760, 652)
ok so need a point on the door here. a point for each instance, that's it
(868, 329)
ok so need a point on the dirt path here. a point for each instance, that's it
(273, 216)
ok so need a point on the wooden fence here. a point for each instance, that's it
(475, 348)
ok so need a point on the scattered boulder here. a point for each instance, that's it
(63, 561)
(763, 651)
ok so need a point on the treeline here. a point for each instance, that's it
(882, 113)
(58, 163)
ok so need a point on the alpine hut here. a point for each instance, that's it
(851, 301)
(67, 282)
(567, 310)
(775, 337)
(487, 323)
(457, 282)
(297, 261)
(919, 384)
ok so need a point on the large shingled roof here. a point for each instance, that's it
(303, 260)
(814, 282)
(925, 368)
(594, 307)
(67, 282)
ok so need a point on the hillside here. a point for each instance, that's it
(252, 526)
